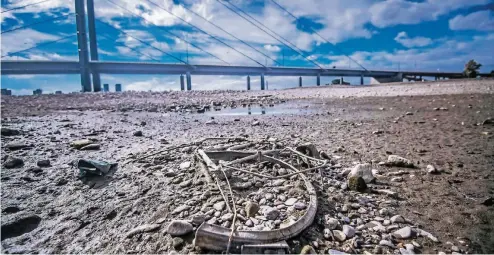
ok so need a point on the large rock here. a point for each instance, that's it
(349, 231)
(251, 209)
(219, 206)
(364, 171)
(394, 160)
(331, 222)
(179, 228)
(339, 235)
(291, 201)
(81, 143)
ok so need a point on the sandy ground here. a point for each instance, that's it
(74, 217)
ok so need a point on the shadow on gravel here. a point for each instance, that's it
(20, 226)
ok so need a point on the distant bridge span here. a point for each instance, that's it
(10, 67)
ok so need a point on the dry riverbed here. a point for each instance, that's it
(441, 204)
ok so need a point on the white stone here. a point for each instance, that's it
(364, 171)
(397, 219)
(227, 217)
(403, 233)
(431, 169)
(300, 206)
(349, 231)
(185, 165)
(249, 223)
(332, 223)
(219, 206)
(291, 201)
(339, 235)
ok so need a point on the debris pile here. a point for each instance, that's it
(244, 192)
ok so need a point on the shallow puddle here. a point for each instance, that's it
(289, 108)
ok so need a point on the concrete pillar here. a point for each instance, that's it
(267, 85)
(106, 87)
(300, 81)
(262, 81)
(182, 82)
(93, 43)
(82, 45)
(361, 80)
(189, 81)
(318, 80)
(248, 82)
(341, 81)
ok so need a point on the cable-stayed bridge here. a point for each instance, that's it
(89, 67)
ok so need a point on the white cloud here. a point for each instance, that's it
(272, 48)
(394, 12)
(23, 39)
(409, 42)
(481, 21)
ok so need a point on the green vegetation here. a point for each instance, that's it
(471, 69)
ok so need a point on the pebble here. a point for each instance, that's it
(403, 233)
(251, 209)
(138, 133)
(181, 209)
(219, 206)
(198, 219)
(177, 242)
(394, 160)
(339, 235)
(291, 201)
(179, 228)
(300, 206)
(91, 147)
(227, 217)
(349, 231)
(269, 196)
(397, 219)
(43, 163)
(397, 179)
(331, 223)
(142, 229)
(249, 223)
(271, 213)
(386, 243)
(185, 165)
(364, 171)
(431, 169)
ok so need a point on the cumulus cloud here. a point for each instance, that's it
(481, 21)
(272, 48)
(409, 42)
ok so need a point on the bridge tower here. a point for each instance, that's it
(300, 81)
(248, 82)
(318, 79)
(93, 44)
(262, 81)
(82, 45)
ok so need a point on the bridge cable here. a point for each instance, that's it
(165, 30)
(297, 20)
(299, 51)
(212, 23)
(38, 45)
(36, 23)
(214, 37)
(143, 42)
(24, 6)
(131, 48)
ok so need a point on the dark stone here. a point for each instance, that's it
(16, 146)
(13, 163)
(9, 131)
(357, 183)
(488, 202)
(138, 133)
(11, 209)
(43, 163)
(61, 182)
(35, 170)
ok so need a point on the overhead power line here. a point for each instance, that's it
(141, 41)
(297, 20)
(24, 6)
(131, 48)
(212, 23)
(166, 31)
(38, 45)
(297, 50)
(204, 32)
(36, 23)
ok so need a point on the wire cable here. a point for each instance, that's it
(212, 23)
(204, 32)
(131, 48)
(24, 6)
(299, 51)
(143, 42)
(297, 20)
(36, 23)
(166, 31)
(38, 45)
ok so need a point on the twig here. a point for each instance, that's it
(204, 170)
(276, 177)
(234, 211)
(303, 155)
(210, 163)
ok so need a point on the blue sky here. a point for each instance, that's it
(425, 35)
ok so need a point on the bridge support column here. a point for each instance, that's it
(262, 81)
(93, 43)
(341, 80)
(182, 83)
(318, 80)
(82, 45)
(189, 81)
(361, 80)
(267, 85)
(248, 82)
(300, 81)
